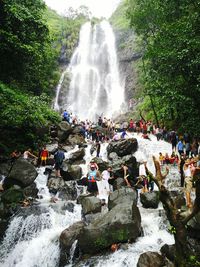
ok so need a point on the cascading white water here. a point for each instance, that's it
(32, 240)
(95, 87)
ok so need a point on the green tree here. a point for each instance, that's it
(170, 42)
(26, 57)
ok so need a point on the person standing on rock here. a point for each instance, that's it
(58, 157)
(44, 156)
(93, 176)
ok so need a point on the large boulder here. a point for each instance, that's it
(118, 183)
(76, 139)
(31, 191)
(151, 259)
(66, 190)
(129, 160)
(71, 172)
(193, 226)
(5, 168)
(52, 148)
(150, 199)
(24, 172)
(120, 224)
(124, 195)
(123, 147)
(91, 205)
(64, 130)
(12, 195)
(77, 155)
(67, 239)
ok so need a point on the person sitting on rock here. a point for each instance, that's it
(28, 155)
(93, 176)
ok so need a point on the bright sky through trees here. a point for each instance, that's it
(99, 8)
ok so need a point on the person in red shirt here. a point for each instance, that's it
(44, 156)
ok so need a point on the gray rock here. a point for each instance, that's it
(120, 224)
(118, 183)
(81, 197)
(151, 259)
(52, 148)
(31, 191)
(75, 139)
(64, 130)
(91, 205)
(113, 156)
(150, 199)
(67, 190)
(123, 195)
(67, 239)
(123, 147)
(71, 172)
(77, 155)
(24, 172)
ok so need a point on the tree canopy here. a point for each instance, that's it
(170, 42)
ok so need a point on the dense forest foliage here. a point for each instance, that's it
(32, 38)
(169, 39)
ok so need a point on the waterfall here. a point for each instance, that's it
(95, 88)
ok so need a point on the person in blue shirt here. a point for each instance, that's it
(66, 116)
(180, 147)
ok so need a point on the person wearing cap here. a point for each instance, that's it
(93, 176)
(188, 182)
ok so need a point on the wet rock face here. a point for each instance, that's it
(151, 259)
(64, 130)
(150, 199)
(123, 147)
(91, 205)
(120, 224)
(23, 172)
(71, 172)
(77, 155)
(123, 195)
(67, 238)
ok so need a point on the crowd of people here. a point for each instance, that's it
(185, 153)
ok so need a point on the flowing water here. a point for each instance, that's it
(32, 238)
(96, 88)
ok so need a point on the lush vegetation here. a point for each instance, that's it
(32, 40)
(169, 70)
(24, 119)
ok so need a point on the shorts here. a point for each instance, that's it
(188, 184)
(43, 158)
(58, 166)
(92, 187)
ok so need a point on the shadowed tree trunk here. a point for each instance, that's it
(178, 223)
